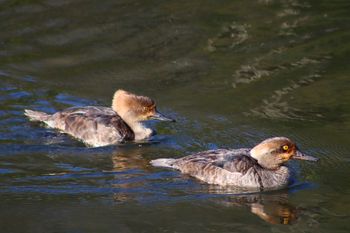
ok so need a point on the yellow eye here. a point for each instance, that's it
(285, 147)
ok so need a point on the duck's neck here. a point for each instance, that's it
(141, 131)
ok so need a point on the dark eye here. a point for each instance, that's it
(285, 147)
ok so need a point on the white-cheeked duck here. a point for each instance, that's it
(101, 126)
(261, 167)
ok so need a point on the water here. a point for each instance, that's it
(231, 72)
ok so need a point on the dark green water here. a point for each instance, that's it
(231, 72)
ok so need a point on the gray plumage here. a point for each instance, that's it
(228, 167)
(95, 126)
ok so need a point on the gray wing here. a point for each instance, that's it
(96, 126)
(223, 167)
(209, 156)
(236, 160)
(239, 162)
(231, 167)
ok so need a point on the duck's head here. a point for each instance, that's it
(273, 152)
(136, 108)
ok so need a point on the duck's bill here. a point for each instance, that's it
(301, 156)
(160, 117)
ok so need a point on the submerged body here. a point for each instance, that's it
(258, 168)
(101, 126)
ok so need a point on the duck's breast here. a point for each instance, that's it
(273, 179)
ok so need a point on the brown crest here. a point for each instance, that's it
(124, 101)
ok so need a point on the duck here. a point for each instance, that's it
(98, 126)
(262, 167)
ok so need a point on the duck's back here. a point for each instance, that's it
(95, 126)
(220, 166)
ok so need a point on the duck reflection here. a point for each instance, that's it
(131, 159)
(272, 207)
(130, 167)
(275, 212)
(132, 156)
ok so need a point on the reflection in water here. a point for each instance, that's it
(255, 71)
(277, 107)
(134, 165)
(131, 160)
(229, 37)
(275, 210)
(272, 207)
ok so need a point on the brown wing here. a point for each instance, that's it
(96, 126)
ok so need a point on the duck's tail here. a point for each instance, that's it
(36, 116)
(163, 162)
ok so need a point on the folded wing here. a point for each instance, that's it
(95, 126)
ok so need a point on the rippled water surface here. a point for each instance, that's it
(231, 72)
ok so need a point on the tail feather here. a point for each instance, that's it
(163, 162)
(36, 116)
